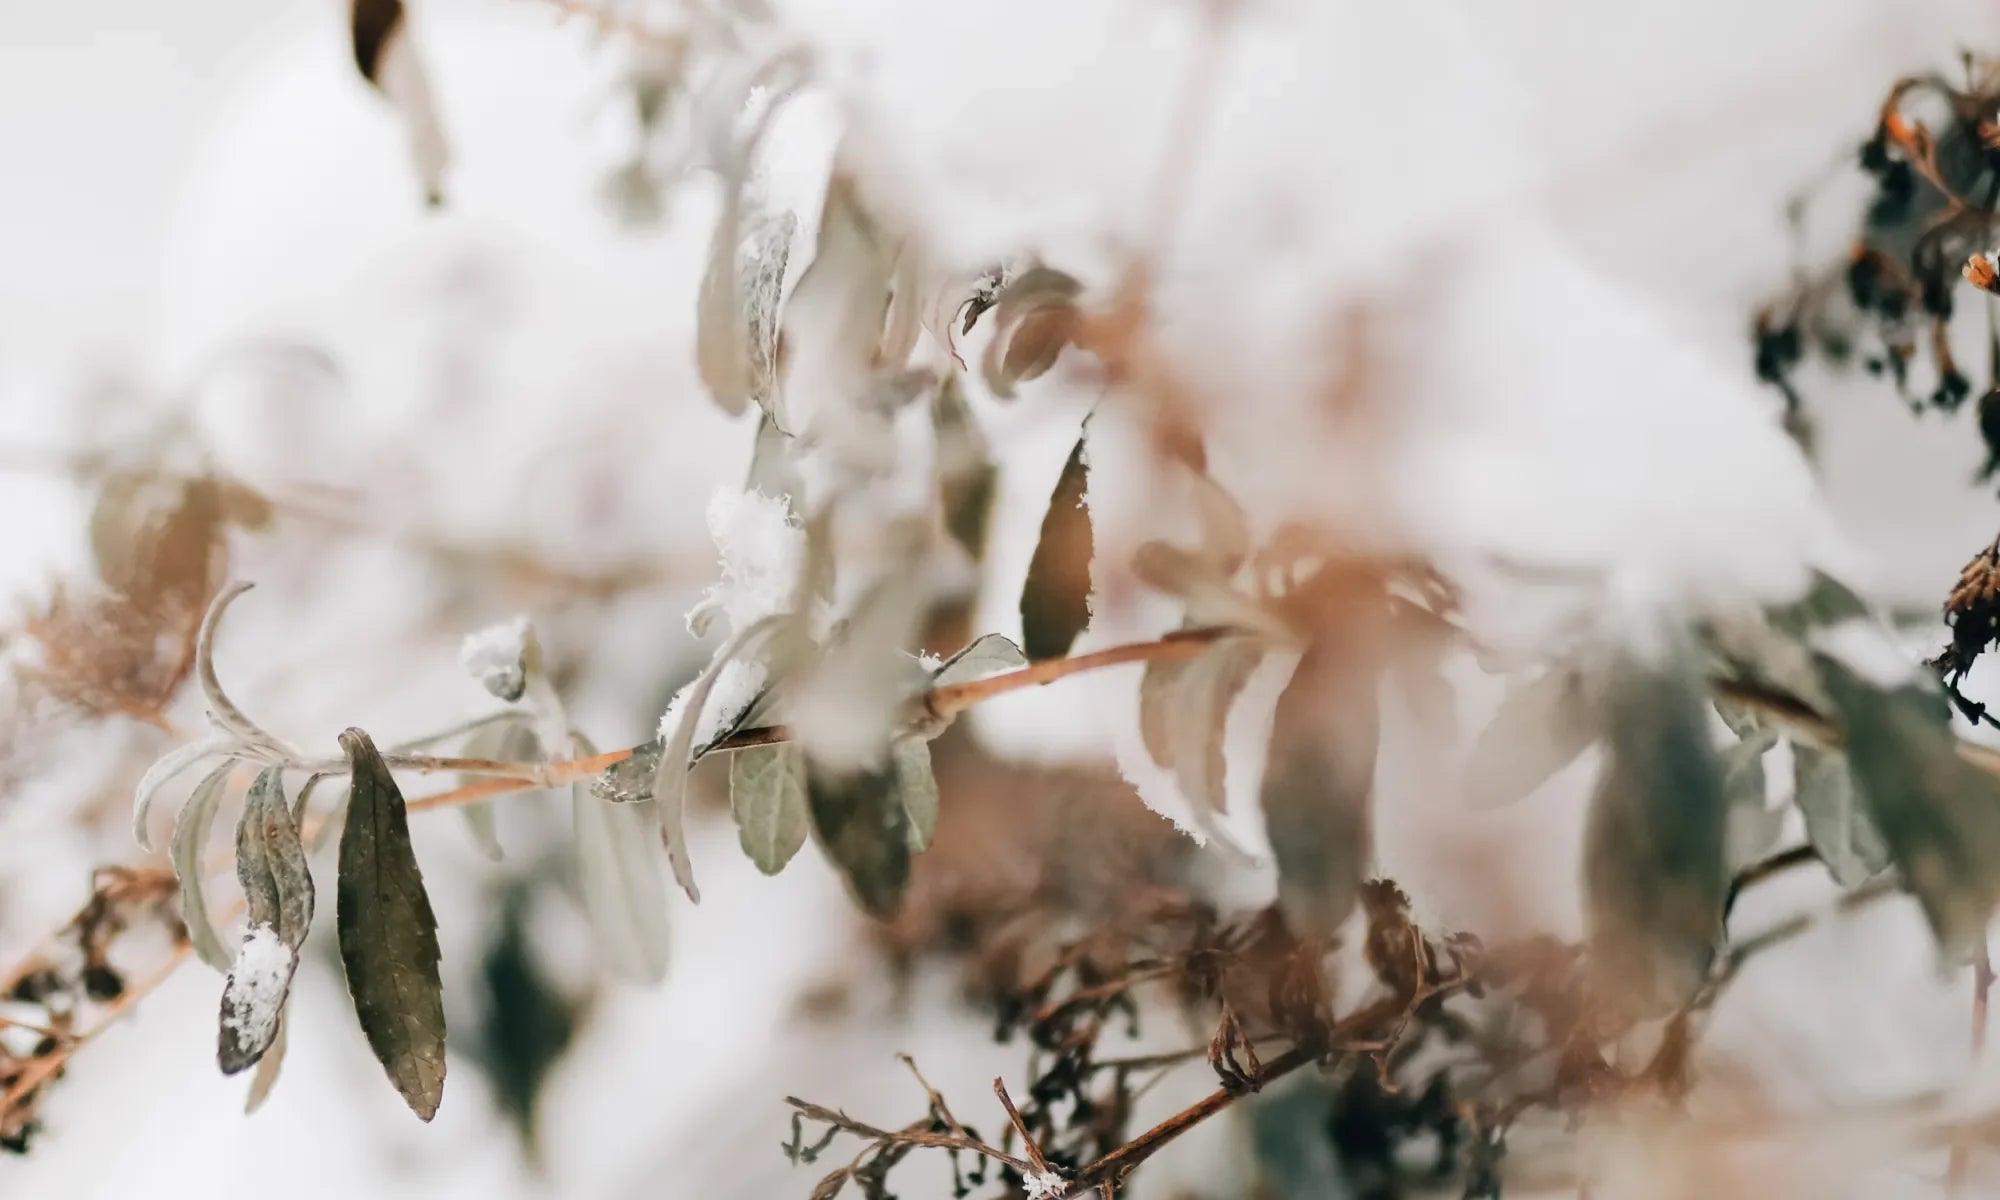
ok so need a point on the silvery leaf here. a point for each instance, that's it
(767, 798)
(191, 832)
(987, 654)
(618, 875)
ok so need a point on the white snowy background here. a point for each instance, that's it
(1582, 203)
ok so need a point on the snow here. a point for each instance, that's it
(737, 685)
(1045, 1185)
(762, 549)
(497, 657)
(255, 993)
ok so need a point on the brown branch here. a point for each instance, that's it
(906, 1137)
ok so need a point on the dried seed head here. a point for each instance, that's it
(1973, 612)
(1982, 271)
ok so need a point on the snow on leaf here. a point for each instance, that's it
(388, 934)
(278, 895)
(253, 998)
(497, 656)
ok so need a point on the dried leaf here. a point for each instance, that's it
(1034, 317)
(965, 472)
(1837, 823)
(1198, 724)
(987, 654)
(916, 790)
(865, 830)
(1540, 728)
(278, 894)
(191, 833)
(1055, 601)
(388, 934)
(372, 23)
(266, 1076)
(624, 894)
(386, 57)
(1937, 813)
(767, 797)
(1654, 870)
(1318, 779)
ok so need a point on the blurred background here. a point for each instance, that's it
(211, 235)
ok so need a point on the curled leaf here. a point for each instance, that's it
(191, 832)
(1318, 779)
(388, 934)
(162, 772)
(1055, 601)
(1034, 317)
(767, 798)
(1198, 723)
(278, 894)
(624, 894)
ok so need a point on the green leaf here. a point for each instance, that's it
(1837, 823)
(1938, 814)
(865, 830)
(1318, 779)
(1055, 602)
(1654, 871)
(618, 874)
(1198, 725)
(917, 790)
(191, 833)
(988, 654)
(278, 895)
(767, 796)
(1539, 729)
(388, 934)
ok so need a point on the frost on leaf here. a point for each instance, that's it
(762, 549)
(278, 896)
(388, 935)
(1055, 600)
(497, 656)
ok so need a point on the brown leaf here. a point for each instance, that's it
(278, 893)
(372, 23)
(1055, 602)
(388, 934)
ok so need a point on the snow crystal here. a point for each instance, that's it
(1045, 1185)
(735, 688)
(763, 550)
(256, 987)
(496, 656)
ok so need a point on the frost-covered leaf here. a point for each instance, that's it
(1198, 723)
(191, 832)
(618, 874)
(498, 657)
(1539, 729)
(864, 830)
(965, 472)
(506, 741)
(916, 790)
(1654, 869)
(1055, 601)
(278, 898)
(737, 313)
(386, 57)
(767, 797)
(1318, 779)
(630, 780)
(1938, 814)
(987, 654)
(1837, 823)
(388, 934)
(1034, 317)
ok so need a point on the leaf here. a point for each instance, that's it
(916, 790)
(630, 780)
(767, 797)
(1753, 827)
(966, 475)
(1938, 814)
(527, 1022)
(161, 773)
(618, 874)
(736, 315)
(386, 58)
(1539, 729)
(191, 833)
(1837, 822)
(1225, 532)
(1198, 725)
(266, 1076)
(1158, 685)
(1318, 779)
(1055, 602)
(388, 934)
(987, 654)
(507, 741)
(1654, 871)
(774, 469)
(833, 321)
(865, 830)
(1034, 317)
(278, 896)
